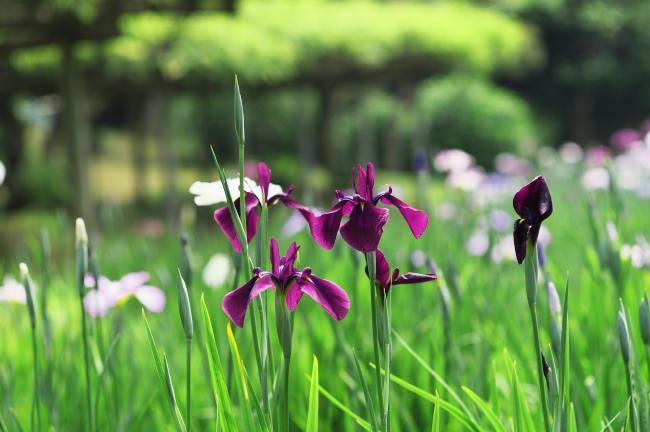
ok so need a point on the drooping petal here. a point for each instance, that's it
(236, 302)
(225, 222)
(264, 178)
(520, 235)
(293, 295)
(151, 297)
(413, 278)
(533, 201)
(417, 220)
(327, 294)
(324, 227)
(364, 227)
(98, 303)
(132, 281)
(382, 269)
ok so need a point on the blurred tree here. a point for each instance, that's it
(595, 79)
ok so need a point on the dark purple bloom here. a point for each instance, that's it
(386, 279)
(289, 282)
(253, 202)
(533, 204)
(366, 220)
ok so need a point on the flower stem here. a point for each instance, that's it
(530, 267)
(36, 403)
(89, 404)
(372, 270)
(188, 419)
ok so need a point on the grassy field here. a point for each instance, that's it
(479, 339)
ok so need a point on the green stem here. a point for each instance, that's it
(284, 411)
(188, 419)
(530, 268)
(36, 403)
(540, 371)
(372, 270)
(388, 354)
(84, 331)
(630, 392)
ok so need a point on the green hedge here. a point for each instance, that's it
(271, 41)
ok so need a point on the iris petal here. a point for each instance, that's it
(520, 234)
(151, 297)
(223, 219)
(364, 227)
(236, 302)
(417, 220)
(413, 278)
(382, 269)
(327, 294)
(264, 178)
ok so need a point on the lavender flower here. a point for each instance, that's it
(289, 282)
(366, 221)
(109, 294)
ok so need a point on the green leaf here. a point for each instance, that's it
(435, 375)
(486, 410)
(468, 421)
(227, 421)
(360, 421)
(241, 383)
(435, 424)
(366, 393)
(312, 412)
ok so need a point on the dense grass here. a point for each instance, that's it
(487, 335)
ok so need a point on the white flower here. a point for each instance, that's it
(216, 271)
(12, 291)
(478, 243)
(571, 153)
(210, 193)
(595, 178)
(452, 160)
(3, 173)
(446, 210)
(466, 180)
(503, 250)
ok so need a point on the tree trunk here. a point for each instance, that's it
(12, 134)
(76, 135)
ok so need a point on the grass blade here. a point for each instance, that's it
(312, 412)
(226, 418)
(486, 410)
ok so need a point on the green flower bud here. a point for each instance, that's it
(184, 307)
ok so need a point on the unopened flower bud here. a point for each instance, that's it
(623, 335)
(27, 284)
(81, 233)
(184, 307)
(644, 319)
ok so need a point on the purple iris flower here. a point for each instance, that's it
(533, 204)
(252, 203)
(366, 221)
(291, 283)
(386, 279)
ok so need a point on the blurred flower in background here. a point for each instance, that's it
(210, 193)
(3, 173)
(217, 270)
(595, 178)
(452, 160)
(12, 291)
(109, 294)
(571, 153)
